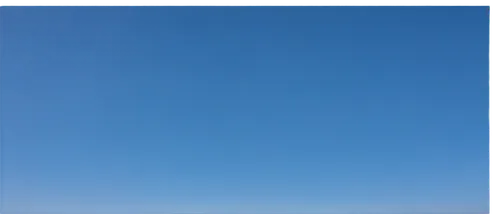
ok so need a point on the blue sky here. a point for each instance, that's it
(244, 109)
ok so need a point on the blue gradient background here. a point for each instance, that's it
(244, 109)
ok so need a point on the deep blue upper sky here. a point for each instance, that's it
(244, 109)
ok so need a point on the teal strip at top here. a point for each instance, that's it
(242, 3)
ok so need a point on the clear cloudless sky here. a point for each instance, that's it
(255, 110)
